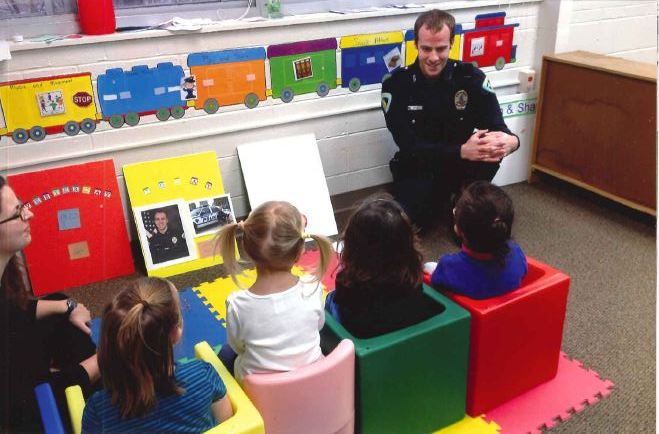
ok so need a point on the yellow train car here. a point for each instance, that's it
(35, 107)
(411, 52)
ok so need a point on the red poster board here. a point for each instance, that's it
(78, 230)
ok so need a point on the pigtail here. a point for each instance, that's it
(326, 251)
(226, 246)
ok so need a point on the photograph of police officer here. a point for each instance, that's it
(165, 234)
(208, 215)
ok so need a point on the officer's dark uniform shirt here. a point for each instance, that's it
(168, 246)
(434, 118)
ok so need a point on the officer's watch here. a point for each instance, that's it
(71, 304)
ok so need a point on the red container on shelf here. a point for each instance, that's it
(96, 17)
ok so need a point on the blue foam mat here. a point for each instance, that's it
(199, 324)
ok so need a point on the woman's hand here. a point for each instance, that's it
(81, 318)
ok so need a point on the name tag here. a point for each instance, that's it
(414, 107)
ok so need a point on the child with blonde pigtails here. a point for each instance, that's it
(274, 325)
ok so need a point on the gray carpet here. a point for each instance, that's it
(610, 254)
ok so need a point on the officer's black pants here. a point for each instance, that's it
(426, 195)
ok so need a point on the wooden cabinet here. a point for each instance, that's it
(596, 126)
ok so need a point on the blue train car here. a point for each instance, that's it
(124, 96)
(368, 59)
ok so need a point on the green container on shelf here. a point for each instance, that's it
(412, 380)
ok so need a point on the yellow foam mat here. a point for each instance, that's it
(214, 294)
(471, 425)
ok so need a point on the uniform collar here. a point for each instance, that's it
(446, 74)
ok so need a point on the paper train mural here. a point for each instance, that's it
(49, 105)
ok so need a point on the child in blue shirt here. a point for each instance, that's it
(144, 390)
(490, 263)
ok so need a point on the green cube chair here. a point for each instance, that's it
(412, 380)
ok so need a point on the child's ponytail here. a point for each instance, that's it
(326, 251)
(226, 246)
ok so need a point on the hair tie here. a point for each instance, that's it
(304, 236)
(241, 225)
(144, 303)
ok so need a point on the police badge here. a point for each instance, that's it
(461, 99)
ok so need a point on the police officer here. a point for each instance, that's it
(165, 243)
(445, 119)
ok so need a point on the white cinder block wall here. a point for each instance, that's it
(624, 28)
(354, 144)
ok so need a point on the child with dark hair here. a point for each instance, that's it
(490, 263)
(145, 390)
(378, 289)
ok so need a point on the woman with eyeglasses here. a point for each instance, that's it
(44, 340)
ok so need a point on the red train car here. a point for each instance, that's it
(490, 43)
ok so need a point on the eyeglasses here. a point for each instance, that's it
(21, 213)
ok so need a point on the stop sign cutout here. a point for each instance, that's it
(82, 99)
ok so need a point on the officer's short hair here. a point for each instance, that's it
(435, 20)
(160, 211)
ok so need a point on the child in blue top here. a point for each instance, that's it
(144, 390)
(490, 263)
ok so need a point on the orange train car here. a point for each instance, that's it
(228, 77)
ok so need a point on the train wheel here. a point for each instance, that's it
(251, 100)
(322, 90)
(37, 133)
(287, 94)
(177, 112)
(132, 119)
(116, 121)
(474, 63)
(354, 84)
(87, 126)
(71, 128)
(211, 106)
(20, 135)
(500, 63)
(163, 114)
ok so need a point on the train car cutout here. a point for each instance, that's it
(36, 107)
(125, 96)
(411, 52)
(490, 43)
(370, 58)
(228, 77)
(302, 67)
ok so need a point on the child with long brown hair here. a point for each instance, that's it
(274, 325)
(144, 389)
(378, 289)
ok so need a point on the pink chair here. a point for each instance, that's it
(315, 399)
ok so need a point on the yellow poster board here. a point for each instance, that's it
(178, 206)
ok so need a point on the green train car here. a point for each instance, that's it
(302, 67)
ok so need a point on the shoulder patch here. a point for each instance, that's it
(487, 86)
(386, 101)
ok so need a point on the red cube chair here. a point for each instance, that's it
(515, 338)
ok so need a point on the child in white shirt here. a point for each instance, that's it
(274, 325)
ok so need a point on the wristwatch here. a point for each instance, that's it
(71, 304)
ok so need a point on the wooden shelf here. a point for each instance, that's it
(596, 126)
